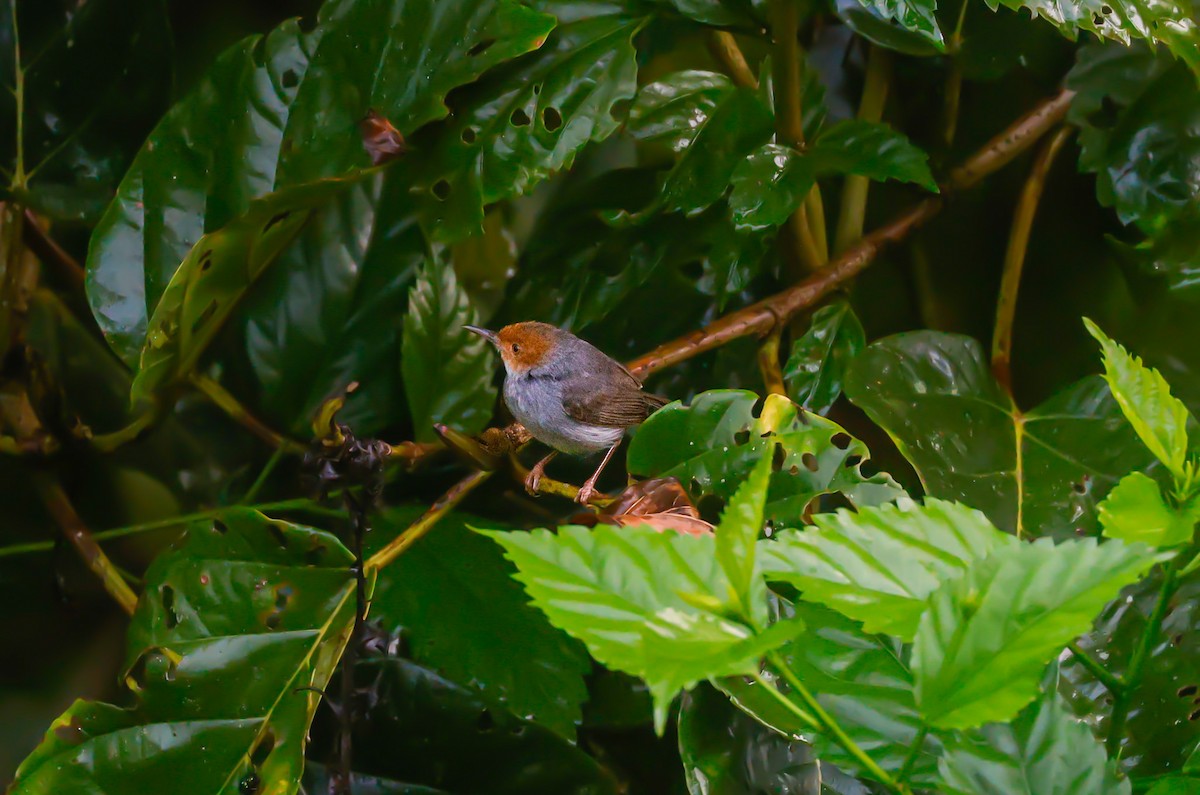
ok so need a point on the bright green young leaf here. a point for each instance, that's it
(249, 600)
(1159, 418)
(879, 565)
(1037, 473)
(900, 25)
(987, 636)
(737, 537)
(1176, 785)
(819, 360)
(448, 371)
(1045, 750)
(1170, 22)
(633, 595)
(673, 109)
(862, 681)
(712, 444)
(454, 597)
(1136, 511)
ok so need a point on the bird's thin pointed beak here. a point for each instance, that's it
(490, 336)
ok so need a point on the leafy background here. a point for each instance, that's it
(593, 165)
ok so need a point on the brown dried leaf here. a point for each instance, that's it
(660, 503)
(382, 141)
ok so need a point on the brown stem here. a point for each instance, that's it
(397, 546)
(223, 400)
(75, 531)
(49, 252)
(768, 362)
(548, 485)
(725, 49)
(1014, 257)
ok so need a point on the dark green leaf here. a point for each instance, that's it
(819, 360)
(1136, 511)
(879, 565)
(986, 637)
(1176, 785)
(672, 110)
(907, 27)
(1045, 750)
(769, 185)
(647, 603)
(464, 616)
(318, 779)
(448, 371)
(712, 444)
(232, 633)
(1038, 473)
(720, 13)
(725, 752)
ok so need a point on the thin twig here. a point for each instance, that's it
(725, 49)
(137, 429)
(223, 400)
(768, 362)
(49, 252)
(397, 546)
(75, 531)
(548, 485)
(1014, 257)
(954, 80)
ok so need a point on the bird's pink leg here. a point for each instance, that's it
(535, 475)
(589, 487)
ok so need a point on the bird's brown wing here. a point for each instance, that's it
(617, 408)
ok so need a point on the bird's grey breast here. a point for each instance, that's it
(536, 401)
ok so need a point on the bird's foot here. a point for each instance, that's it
(533, 480)
(586, 492)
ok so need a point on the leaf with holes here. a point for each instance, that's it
(858, 678)
(819, 360)
(1038, 473)
(986, 637)
(524, 122)
(279, 109)
(1045, 750)
(236, 632)
(879, 565)
(463, 615)
(672, 110)
(651, 604)
(447, 369)
(712, 444)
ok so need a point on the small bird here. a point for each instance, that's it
(568, 394)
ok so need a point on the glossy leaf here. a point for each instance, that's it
(872, 150)
(1136, 511)
(464, 616)
(1159, 418)
(448, 371)
(712, 444)
(1037, 473)
(674, 109)
(737, 536)
(247, 600)
(819, 360)
(726, 752)
(1176, 785)
(467, 743)
(1170, 22)
(879, 565)
(268, 99)
(907, 27)
(986, 637)
(1044, 750)
(647, 603)
(862, 681)
(769, 185)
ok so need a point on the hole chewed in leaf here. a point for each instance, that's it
(264, 748)
(441, 190)
(277, 533)
(278, 218)
(220, 527)
(289, 79)
(841, 441)
(468, 135)
(552, 119)
(778, 458)
(205, 316)
(1187, 691)
(810, 462)
(167, 594)
(852, 461)
(741, 437)
(480, 47)
(519, 118)
(485, 722)
(70, 733)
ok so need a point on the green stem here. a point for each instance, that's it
(914, 752)
(1101, 674)
(108, 442)
(225, 401)
(267, 469)
(954, 80)
(827, 725)
(791, 706)
(1133, 676)
(852, 215)
(414, 532)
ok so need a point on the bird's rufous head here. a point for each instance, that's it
(522, 346)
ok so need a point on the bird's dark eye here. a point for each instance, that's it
(516, 347)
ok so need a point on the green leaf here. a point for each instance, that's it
(1038, 473)
(859, 679)
(819, 360)
(673, 109)
(769, 185)
(1136, 511)
(712, 444)
(1045, 750)
(632, 595)
(221, 146)
(454, 597)
(447, 369)
(317, 778)
(467, 743)
(910, 28)
(719, 13)
(1172, 22)
(737, 537)
(986, 637)
(726, 752)
(1159, 418)
(879, 565)
(248, 600)
(1176, 785)
(95, 79)
(524, 122)
(739, 124)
